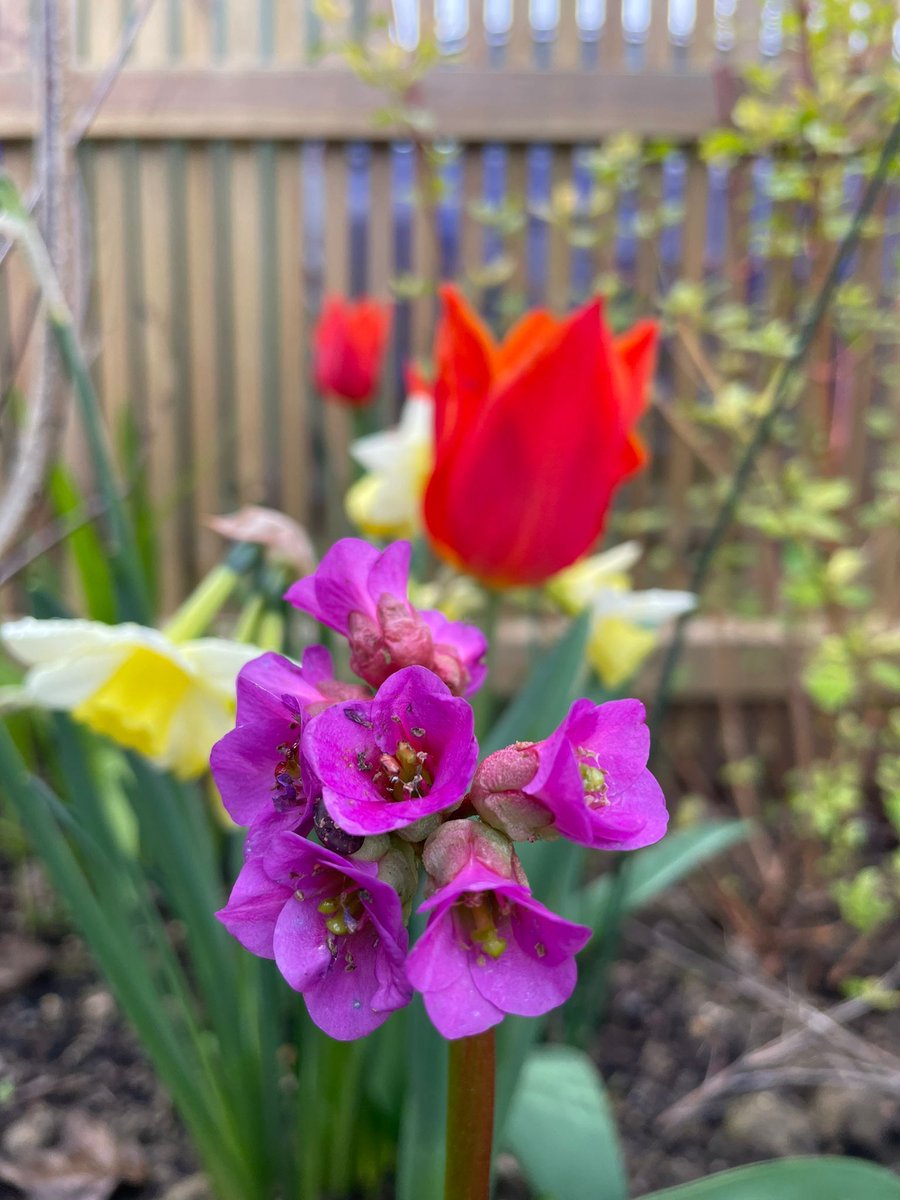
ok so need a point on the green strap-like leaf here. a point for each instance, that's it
(658, 867)
(545, 699)
(561, 1128)
(790, 1179)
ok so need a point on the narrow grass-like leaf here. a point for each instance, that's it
(112, 941)
(85, 546)
(420, 1165)
(562, 1131)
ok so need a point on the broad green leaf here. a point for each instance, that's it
(658, 867)
(545, 699)
(791, 1179)
(561, 1128)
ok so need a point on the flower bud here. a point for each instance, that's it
(498, 798)
(451, 848)
(399, 869)
(421, 829)
(373, 848)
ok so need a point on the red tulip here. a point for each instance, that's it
(531, 437)
(349, 343)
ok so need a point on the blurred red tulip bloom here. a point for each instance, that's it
(348, 344)
(531, 437)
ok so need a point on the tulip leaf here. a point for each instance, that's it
(549, 691)
(652, 870)
(561, 1128)
(790, 1179)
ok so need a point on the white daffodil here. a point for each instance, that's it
(170, 701)
(624, 624)
(387, 501)
(574, 588)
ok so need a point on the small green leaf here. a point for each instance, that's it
(562, 1131)
(658, 867)
(791, 1179)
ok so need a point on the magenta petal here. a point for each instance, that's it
(617, 732)
(243, 765)
(264, 828)
(264, 680)
(389, 575)
(436, 960)
(634, 818)
(339, 585)
(344, 745)
(318, 666)
(546, 937)
(253, 909)
(340, 1003)
(467, 641)
(461, 1010)
(300, 945)
(517, 983)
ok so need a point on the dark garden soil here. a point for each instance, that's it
(687, 1002)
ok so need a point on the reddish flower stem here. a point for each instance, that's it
(470, 1117)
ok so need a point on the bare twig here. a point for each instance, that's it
(85, 116)
(882, 1067)
(46, 412)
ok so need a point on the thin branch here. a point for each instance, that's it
(46, 412)
(85, 116)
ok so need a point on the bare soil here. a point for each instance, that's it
(687, 1001)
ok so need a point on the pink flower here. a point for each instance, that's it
(588, 781)
(387, 763)
(489, 948)
(361, 592)
(258, 766)
(334, 929)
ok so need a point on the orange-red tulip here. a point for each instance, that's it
(349, 343)
(531, 437)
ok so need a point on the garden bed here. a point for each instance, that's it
(686, 1003)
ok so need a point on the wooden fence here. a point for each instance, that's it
(234, 173)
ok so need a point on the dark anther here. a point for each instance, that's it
(331, 835)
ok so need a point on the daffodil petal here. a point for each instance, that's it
(33, 641)
(216, 661)
(616, 648)
(65, 684)
(197, 724)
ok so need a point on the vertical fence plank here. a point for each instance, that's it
(180, 320)
(336, 417)
(294, 425)
(160, 422)
(567, 50)
(244, 332)
(196, 32)
(109, 239)
(380, 271)
(560, 293)
(206, 487)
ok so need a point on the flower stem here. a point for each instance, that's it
(470, 1117)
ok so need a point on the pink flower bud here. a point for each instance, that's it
(457, 844)
(499, 800)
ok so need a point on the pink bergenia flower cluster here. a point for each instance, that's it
(350, 791)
